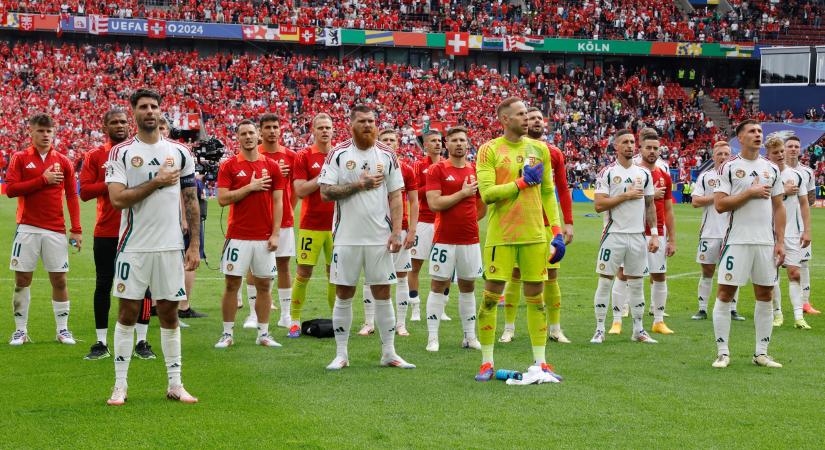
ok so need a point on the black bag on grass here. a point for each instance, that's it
(320, 328)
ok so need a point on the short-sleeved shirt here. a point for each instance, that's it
(459, 224)
(364, 217)
(288, 158)
(808, 177)
(752, 223)
(425, 214)
(410, 184)
(154, 223)
(316, 214)
(615, 180)
(661, 179)
(793, 213)
(714, 223)
(250, 219)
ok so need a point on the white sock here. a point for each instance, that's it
(805, 281)
(600, 301)
(539, 354)
(402, 301)
(763, 324)
(705, 285)
(61, 314)
(795, 292)
(20, 301)
(385, 322)
(285, 297)
(229, 328)
(263, 329)
(341, 324)
(141, 330)
(721, 326)
(102, 334)
(658, 297)
(636, 298)
(251, 298)
(239, 297)
(369, 307)
(619, 294)
(467, 312)
(435, 308)
(734, 301)
(777, 300)
(170, 344)
(123, 343)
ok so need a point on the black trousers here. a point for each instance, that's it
(105, 250)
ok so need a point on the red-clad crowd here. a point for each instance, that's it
(754, 20)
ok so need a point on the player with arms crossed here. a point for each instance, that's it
(364, 180)
(750, 188)
(797, 232)
(315, 232)
(40, 177)
(513, 181)
(452, 192)
(146, 176)
(252, 186)
(625, 192)
(792, 147)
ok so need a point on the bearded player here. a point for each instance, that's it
(519, 192)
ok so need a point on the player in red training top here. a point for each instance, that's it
(426, 219)
(107, 226)
(253, 187)
(315, 229)
(270, 130)
(452, 192)
(401, 260)
(40, 177)
(552, 292)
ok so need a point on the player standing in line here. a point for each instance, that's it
(797, 232)
(315, 232)
(270, 127)
(750, 188)
(252, 186)
(552, 292)
(712, 231)
(146, 176)
(107, 225)
(452, 192)
(40, 177)
(364, 180)
(426, 220)
(625, 191)
(512, 180)
(792, 148)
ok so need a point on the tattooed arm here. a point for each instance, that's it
(193, 217)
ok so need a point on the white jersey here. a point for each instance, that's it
(714, 224)
(752, 223)
(362, 218)
(628, 216)
(154, 223)
(793, 213)
(808, 178)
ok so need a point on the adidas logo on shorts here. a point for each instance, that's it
(181, 293)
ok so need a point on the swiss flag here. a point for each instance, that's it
(458, 44)
(156, 29)
(307, 36)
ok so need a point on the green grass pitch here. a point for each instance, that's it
(619, 394)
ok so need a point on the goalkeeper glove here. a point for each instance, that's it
(558, 245)
(532, 175)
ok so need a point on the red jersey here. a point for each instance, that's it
(245, 216)
(459, 224)
(316, 214)
(39, 204)
(288, 157)
(560, 180)
(424, 213)
(661, 179)
(410, 184)
(93, 185)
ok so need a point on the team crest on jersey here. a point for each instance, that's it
(740, 173)
(350, 165)
(121, 287)
(230, 267)
(712, 183)
(728, 277)
(14, 262)
(519, 159)
(617, 179)
(601, 266)
(137, 161)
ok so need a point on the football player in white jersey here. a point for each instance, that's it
(364, 180)
(712, 230)
(792, 148)
(797, 232)
(624, 191)
(146, 176)
(750, 188)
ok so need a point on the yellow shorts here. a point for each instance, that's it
(310, 245)
(530, 258)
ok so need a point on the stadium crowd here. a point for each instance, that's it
(748, 21)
